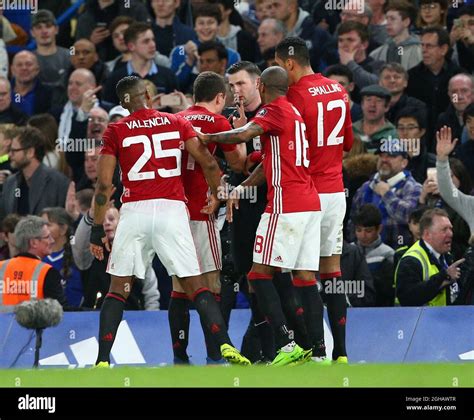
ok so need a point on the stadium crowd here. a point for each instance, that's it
(407, 70)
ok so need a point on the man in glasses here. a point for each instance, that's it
(25, 276)
(34, 186)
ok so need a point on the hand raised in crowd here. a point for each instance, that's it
(98, 35)
(89, 99)
(444, 143)
(71, 206)
(454, 272)
(191, 51)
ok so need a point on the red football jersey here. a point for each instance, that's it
(148, 145)
(195, 185)
(284, 145)
(324, 106)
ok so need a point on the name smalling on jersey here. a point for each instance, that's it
(324, 89)
(152, 122)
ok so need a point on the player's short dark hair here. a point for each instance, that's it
(295, 48)
(127, 85)
(207, 86)
(368, 216)
(426, 220)
(468, 112)
(134, 31)
(352, 25)
(120, 20)
(220, 49)
(32, 137)
(208, 10)
(251, 68)
(443, 35)
(339, 70)
(405, 8)
(412, 111)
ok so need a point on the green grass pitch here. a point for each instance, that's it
(309, 375)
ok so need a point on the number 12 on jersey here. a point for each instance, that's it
(333, 138)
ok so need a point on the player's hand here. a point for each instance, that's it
(212, 205)
(232, 201)
(89, 99)
(241, 120)
(454, 272)
(381, 188)
(205, 138)
(444, 143)
(99, 241)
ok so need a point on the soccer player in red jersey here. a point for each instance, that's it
(324, 106)
(291, 222)
(209, 97)
(153, 218)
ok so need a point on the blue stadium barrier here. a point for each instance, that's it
(382, 335)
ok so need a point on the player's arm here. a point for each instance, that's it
(103, 192)
(237, 158)
(237, 135)
(208, 164)
(256, 178)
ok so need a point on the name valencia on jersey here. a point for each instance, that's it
(152, 122)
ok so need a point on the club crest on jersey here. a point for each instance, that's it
(262, 112)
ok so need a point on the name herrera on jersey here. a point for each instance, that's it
(324, 90)
(152, 122)
(200, 117)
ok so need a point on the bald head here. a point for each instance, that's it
(25, 67)
(461, 91)
(275, 80)
(79, 82)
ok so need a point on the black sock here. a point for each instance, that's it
(313, 314)
(292, 308)
(178, 318)
(270, 305)
(110, 317)
(263, 329)
(337, 313)
(212, 348)
(211, 316)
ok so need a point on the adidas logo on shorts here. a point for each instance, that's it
(278, 259)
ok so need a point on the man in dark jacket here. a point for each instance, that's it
(93, 23)
(9, 113)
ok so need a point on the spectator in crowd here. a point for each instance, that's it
(394, 78)
(461, 95)
(84, 56)
(299, 23)
(212, 57)
(61, 258)
(270, 33)
(8, 236)
(378, 22)
(140, 42)
(414, 226)
(393, 190)
(431, 198)
(118, 112)
(34, 186)
(352, 41)
(9, 112)
(354, 267)
(54, 156)
(93, 23)
(53, 60)
(425, 274)
(117, 29)
(7, 133)
(465, 152)
(462, 38)
(343, 76)
(378, 255)
(144, 294)
(234, 36)
(401, 47)
(28, 93)
(411, 128)
(184, 58)
(428, 81)
(262, 9)
(167, 27)
(374, 127)
(432, 13)
(34, 242)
